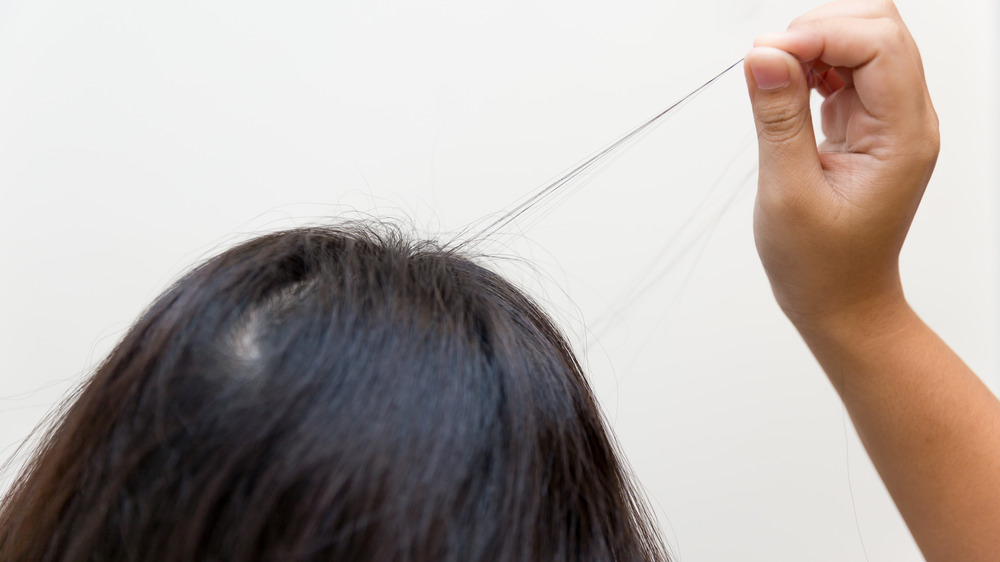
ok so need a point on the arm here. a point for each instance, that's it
(829, 223)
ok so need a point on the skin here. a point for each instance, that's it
(829, 223)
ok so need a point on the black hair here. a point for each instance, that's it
(333, 394)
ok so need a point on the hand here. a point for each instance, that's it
(830, 220)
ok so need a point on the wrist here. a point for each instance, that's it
(863, 324)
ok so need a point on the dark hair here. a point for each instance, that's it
(332, 394)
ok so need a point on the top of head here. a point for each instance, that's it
(333, 394)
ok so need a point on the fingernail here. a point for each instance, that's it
(769, 68)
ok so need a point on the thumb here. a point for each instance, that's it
(779, 93)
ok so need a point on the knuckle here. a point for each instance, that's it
(931, 145)
(923, 140)
(800, 21)
(888, 8)
(781, 123)
(892, 30)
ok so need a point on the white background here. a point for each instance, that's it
(137, 138)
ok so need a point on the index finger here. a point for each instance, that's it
(881, 56)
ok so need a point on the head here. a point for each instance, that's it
(332, 394)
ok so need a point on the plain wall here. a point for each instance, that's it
(138, 138)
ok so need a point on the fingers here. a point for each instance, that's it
(827, 80)
(861, 57)
(837, 110)
(842, 41)
(876, 55)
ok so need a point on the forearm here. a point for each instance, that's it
(931, 427)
